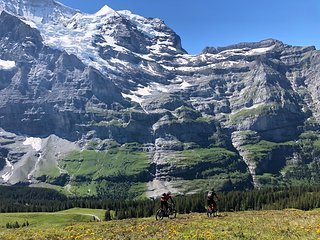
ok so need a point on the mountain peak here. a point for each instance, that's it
(105, 10)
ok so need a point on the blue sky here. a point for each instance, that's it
(202, 23)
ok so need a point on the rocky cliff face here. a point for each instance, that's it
(231, 117)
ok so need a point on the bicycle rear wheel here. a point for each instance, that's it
(159, 214)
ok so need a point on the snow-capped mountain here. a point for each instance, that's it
(107, 40)
(71, 81)
(39, 12)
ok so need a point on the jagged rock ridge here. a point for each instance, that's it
(116, 77)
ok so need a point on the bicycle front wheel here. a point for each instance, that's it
(172, 214)
(209, 212)
(159, 214)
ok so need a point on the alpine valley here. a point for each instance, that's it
(111, 105)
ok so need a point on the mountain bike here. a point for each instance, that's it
(212, 210)
(171, 212)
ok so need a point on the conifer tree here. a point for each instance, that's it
(16, 225)
(107, 215)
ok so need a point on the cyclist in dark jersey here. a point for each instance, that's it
(164, 200)
(211, 199)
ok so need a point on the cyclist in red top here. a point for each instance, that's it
(164, 200)
(211, 200)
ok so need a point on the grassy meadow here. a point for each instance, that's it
(253, 225)
(56, 219)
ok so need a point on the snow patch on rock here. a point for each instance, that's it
(6, 65)
(34, 142)
(9, 172)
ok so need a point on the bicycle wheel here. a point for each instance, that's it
(159, 214)
(209, 212)
(215, 210)
(216, 213)
(172, 213)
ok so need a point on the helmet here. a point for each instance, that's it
(168, 193)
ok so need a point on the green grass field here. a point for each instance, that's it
(57, 219)
(250, 225)
(94, 165)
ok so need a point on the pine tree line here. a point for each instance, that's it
(302, 197)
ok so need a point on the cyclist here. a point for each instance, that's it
(164, 200)
(211, 200)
